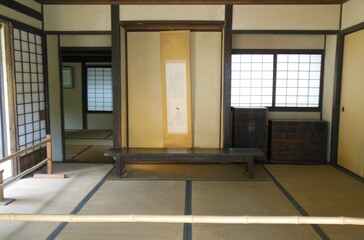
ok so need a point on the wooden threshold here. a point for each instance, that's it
(184, 2)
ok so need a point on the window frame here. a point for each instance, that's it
(86, 87)
(275, 52)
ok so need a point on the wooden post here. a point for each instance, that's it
(3, 201)
(49, 164)
(1, 188)
(49, 156)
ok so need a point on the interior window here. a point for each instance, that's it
(276, 80)
(99, 89)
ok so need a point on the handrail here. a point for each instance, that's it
(183, 219)
(17, 154)
(48, 160)
(29, 170)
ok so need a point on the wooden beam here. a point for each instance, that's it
(201, 2)
(173, 25)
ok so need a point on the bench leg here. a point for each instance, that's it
(119, 167)
(249, 167)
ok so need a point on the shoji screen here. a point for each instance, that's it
(30, 90)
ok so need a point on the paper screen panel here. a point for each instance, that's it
(30, 92)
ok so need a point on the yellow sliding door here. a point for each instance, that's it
(351, 131)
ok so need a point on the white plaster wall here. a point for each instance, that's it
(17, 16)
(206, 88)
(77, 17)
(54, 98)
(72, 100)
(172, 12)
(353, 13)
(102, 121)
(85, 40)
(31, 4)
(327, 100)
(278, 41)
(286, 17)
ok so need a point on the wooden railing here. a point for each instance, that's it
(47, 161)
(182, 219)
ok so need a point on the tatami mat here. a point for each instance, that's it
(191, 172)
(86, 141)
(132, 197)
(223, 189)
(48, 196)
(241, 198)
(70, 132)
(94, 154)
(74, 150)
(324, 191)
(100, 134)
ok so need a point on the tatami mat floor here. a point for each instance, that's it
(278, 190)
(48, 196)
(88, 146)
(324, 191)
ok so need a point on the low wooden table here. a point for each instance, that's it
(184, 155)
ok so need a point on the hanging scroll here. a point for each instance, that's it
(176, 97)
(176, 88)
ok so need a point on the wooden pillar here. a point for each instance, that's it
(1, 188)
(3, 200)
(227, 140)
(49, 155)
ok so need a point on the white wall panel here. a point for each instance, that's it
(278, 41)
(54, 97)
(12, 14)
(353, 13)
(31, 4)
(329, 77)
(101, 121)
(85, 40)
(286, 17)
(206, 88)
(72, 100)
(77, 17)
(172, 12)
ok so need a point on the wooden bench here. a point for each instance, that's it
(184, 155)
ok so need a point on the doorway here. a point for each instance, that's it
(87, 103)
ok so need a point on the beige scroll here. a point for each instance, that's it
(176, 88)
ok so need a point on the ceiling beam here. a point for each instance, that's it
(202, 2)
(169, 26)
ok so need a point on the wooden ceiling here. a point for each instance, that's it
(203, 2)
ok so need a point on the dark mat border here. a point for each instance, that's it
(295, 203)
(79, 206)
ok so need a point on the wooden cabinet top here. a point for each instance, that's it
(296, 120)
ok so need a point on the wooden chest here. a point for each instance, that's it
(250, 129)
(297, 141)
